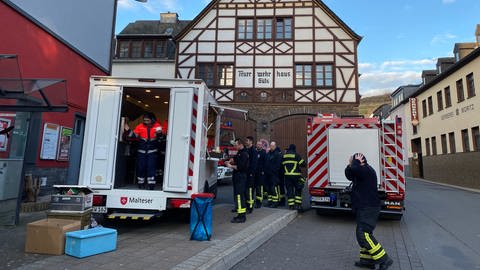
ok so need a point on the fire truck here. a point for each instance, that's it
(331, 140)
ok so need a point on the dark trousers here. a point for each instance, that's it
(250, 190)
(371, 252)
(294, 189)
(146, 167)
(239, 187)
(281, 186)
(271, 185)
(259, 186)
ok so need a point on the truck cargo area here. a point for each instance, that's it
(135, 102)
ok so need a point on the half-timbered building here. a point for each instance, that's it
(280, 59)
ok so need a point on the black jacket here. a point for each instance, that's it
(241, 160)
(253, 160)
(273, 162)
(364, 190)
(261, 155)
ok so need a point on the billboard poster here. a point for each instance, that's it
(49, 141)
(64, 144)
(4, 124)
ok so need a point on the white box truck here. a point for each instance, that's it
(191, 117)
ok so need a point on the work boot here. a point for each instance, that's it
(291, 207)
(239, 219)
(386, 264)
(249, 210)
(258, 204)
(363, 264)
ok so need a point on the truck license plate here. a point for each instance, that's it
(320, 199)
(99, 209)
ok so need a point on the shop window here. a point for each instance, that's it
(444, 144)
(439, 100)
(451, 138)
(470, 86)
(476, 139)
(465, 140)
(460, 94)
(448, 97)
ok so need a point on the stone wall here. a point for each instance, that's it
(461, 169)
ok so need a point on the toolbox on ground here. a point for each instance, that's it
(83, 216)
(71, 198)
(47, 236)
(90, 242)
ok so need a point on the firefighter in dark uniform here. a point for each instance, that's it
(148, 134)
(260, 175)
(366, 206)
(292, 162)
(273, 161)
(239, 164)
(252, 167)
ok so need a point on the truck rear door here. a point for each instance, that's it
(101, 136)
(178, 140)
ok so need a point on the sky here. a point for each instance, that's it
(400, 37)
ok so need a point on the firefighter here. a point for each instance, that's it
(253, 159)
(260, 175)
(273, 162)
(148, 134)
(366, 206)
(239, 164)
(292, 162)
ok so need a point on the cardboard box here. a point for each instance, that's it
(90, 242)
(47, 236)
(83, 216)
(67, 202)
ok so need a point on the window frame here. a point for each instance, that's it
(433, 141)
(245, 28)
(430, 105)
(448, 97)
(465, 140)
(424, 108)
(440, 100)
(451, 140)
(216, 80)
(443, 139)
(460, 91)
(470, 80)
(475, 135)
(264, 28)
(283, 37)
(427, 146)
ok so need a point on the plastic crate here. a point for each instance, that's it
(90, 242)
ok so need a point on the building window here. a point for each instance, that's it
(451, 138)
(424, 108)
(148, 49)
(245, 29)
(448, 97)
(161, 49)
(284, 28)
(430, 105)
(206, 73)
(476, 139)
(434, 145)
(124, 49)
(303, 75)
(444, 144)
(136, 49)
(460, 94)
(470, 86)
(465, 141)
(324, 75)
(415, 130)
(439, 100)
(427, 146)
(264, 28)
(216, 75)
(225, 75)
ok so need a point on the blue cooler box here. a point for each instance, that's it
(90, 242)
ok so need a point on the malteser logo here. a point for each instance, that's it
(123, 200)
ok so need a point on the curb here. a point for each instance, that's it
(446, 185)
(229, 252)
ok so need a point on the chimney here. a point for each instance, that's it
(428, 76)
(444, 63)
(463, 49)
(168, 17)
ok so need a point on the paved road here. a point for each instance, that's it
(440, 230)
